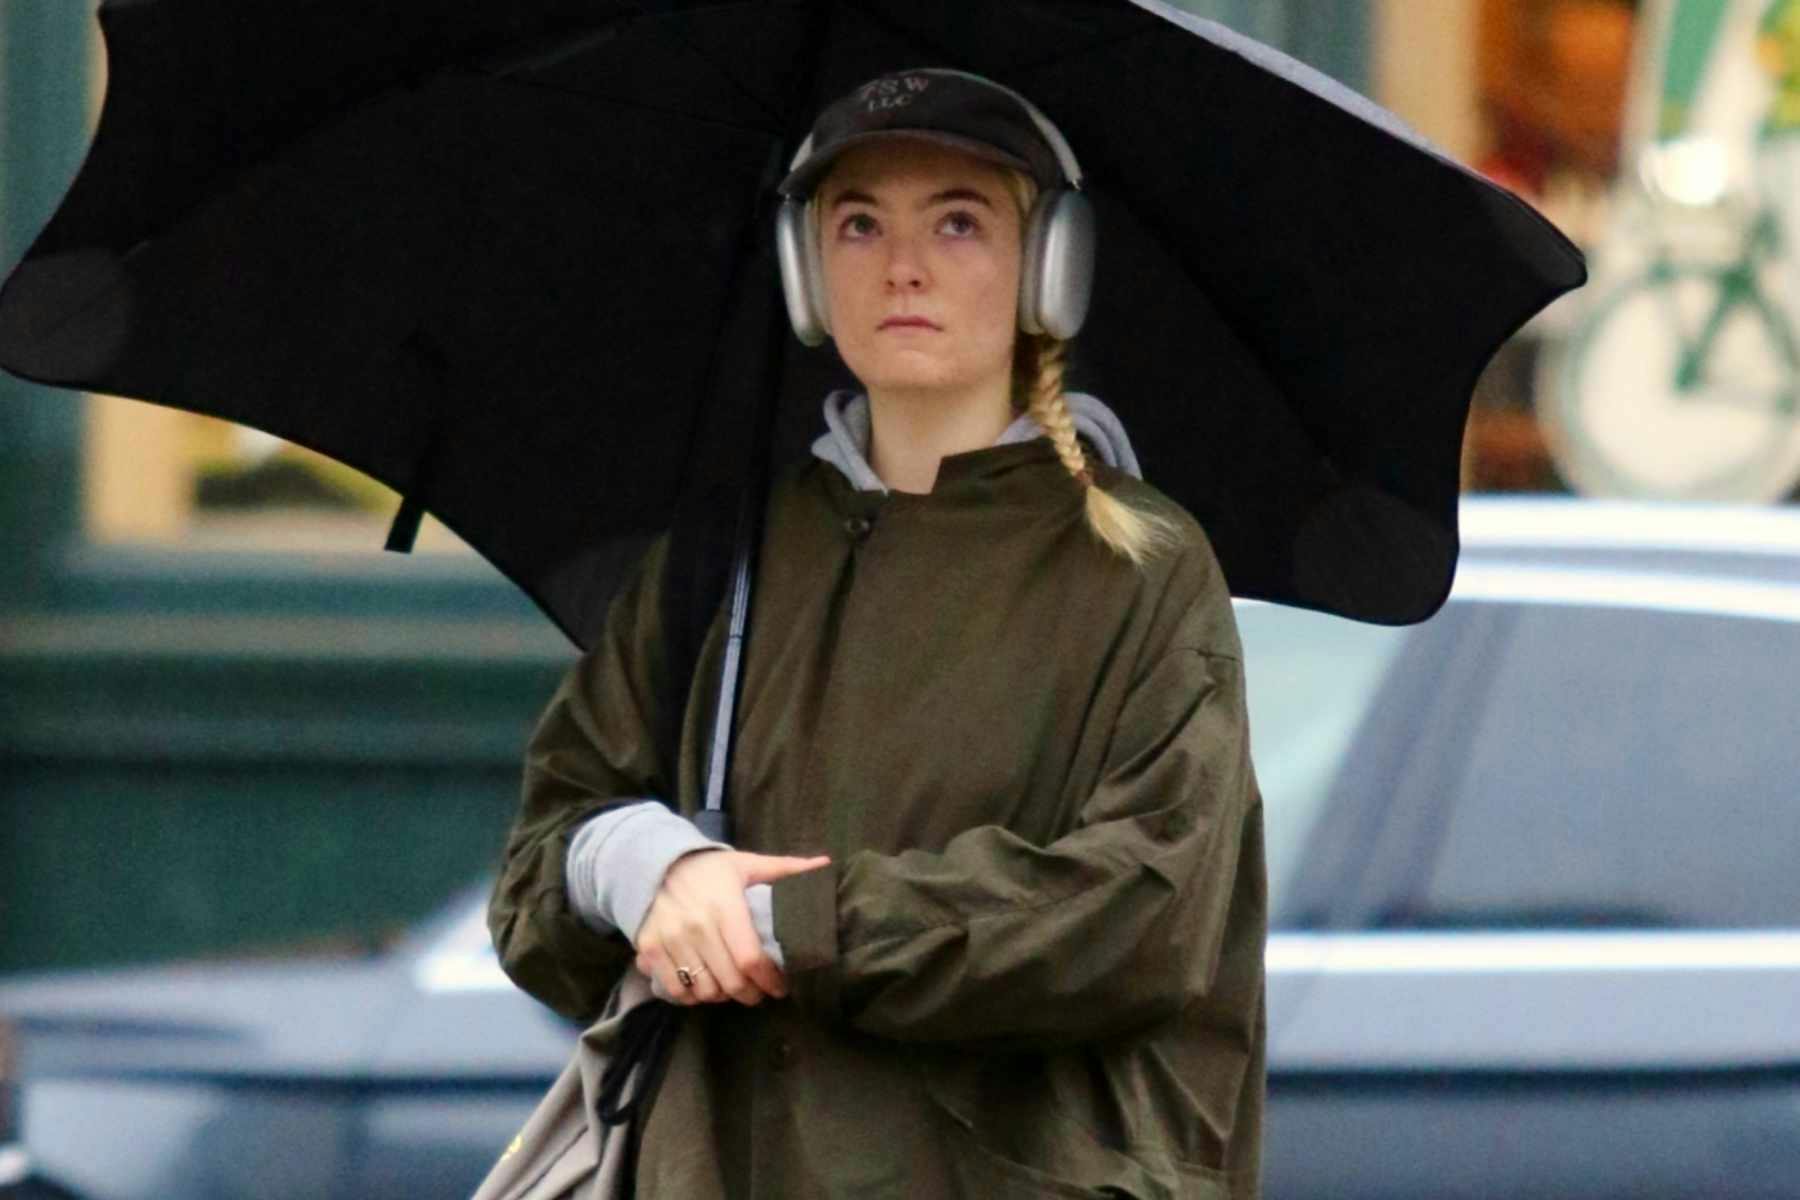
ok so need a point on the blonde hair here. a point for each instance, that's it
(1039, 362)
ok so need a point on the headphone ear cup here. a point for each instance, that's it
(802, 276)
(1056, 276)
(1031, 268)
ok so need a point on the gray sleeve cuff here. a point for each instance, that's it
(761, 898)
(618, 859)
(615, 871)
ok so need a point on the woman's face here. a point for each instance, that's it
(908, 229)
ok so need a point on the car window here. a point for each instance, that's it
(1623, 768)
(1309, 679)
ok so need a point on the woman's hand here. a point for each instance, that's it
(700, 918)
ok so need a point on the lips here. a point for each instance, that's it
(907, 322)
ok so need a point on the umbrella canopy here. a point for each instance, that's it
(517, 262)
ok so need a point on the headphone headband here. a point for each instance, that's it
(963, 110)
(1064, 155)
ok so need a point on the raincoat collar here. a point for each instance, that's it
(845, 442)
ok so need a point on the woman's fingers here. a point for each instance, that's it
(767, 868)
(659, 962)
(700, 918)
(762, 977)
(723, 961)
(703, 898)
(704, 946)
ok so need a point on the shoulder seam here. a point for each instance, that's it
(1204, 652)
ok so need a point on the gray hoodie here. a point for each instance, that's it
(617, 860)
(845, 442)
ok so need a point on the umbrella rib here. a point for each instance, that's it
(1163, 236)
(1158, 231)
(644, 7)
(609, 31)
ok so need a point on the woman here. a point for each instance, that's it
(995, 918)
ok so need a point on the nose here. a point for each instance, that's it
(905, 267)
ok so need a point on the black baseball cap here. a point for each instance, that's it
(933, 104)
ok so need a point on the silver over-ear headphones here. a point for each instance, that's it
(1056, 273)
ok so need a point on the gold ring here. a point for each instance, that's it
(686, 976)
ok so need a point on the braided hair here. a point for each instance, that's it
(1039, 362)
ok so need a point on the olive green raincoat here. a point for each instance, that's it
(1034, 966)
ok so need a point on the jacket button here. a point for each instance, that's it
(781, 1053)
(857, 526)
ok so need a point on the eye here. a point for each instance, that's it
(962, 220)
(845, 225)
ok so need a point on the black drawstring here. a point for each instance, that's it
(645, 1038)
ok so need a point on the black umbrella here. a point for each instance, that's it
(516, 261)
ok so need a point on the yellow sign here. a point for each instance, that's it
(1778, 49)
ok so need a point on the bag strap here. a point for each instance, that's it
(694, 587)
(711, 547)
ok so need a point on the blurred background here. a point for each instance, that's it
(232, 727)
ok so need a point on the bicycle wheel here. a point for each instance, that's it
(1620, 424)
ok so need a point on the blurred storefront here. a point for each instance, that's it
(1553, 77)
(1660, 135)
(1544, 86)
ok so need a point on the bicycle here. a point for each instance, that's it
(1684, 380)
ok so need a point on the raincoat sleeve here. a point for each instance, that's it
(592, 750)
(1116, 925)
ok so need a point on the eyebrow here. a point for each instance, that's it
(852, 196)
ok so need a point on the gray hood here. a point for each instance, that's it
(845, 442)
